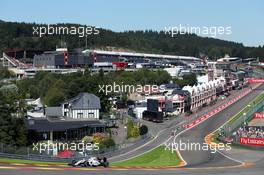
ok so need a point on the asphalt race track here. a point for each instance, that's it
(250, 170)
(198, 133)
(197, 162)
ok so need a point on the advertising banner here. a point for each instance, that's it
(252, 141)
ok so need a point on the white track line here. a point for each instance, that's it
(216, 129)
(145, 145)
(139, 148)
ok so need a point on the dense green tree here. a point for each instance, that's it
(5, 73)
(143, 130)
(132, 129)
(135, 132)
(186, 80)
(54, 97)
(130, 126)
(12, 126)
(55, 94)
(106, 143)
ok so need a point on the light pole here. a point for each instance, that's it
(244, 117)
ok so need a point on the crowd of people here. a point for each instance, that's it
(250, 132)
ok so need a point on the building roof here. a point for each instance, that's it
(43, 124)
(54, 111)
(203, 79)
(35, 102)
(180, 92)
(85, 101)
(203, 86)
(171, 86)
(188, 88)
(142, 55)
(228, 59)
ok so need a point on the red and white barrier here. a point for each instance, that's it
(210, 114)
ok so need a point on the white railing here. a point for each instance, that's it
(10, 60)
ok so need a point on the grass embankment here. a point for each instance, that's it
(256, 101)
(159, 157)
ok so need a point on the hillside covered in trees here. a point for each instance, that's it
(20, 35)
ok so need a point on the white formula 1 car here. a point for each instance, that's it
(91, 162)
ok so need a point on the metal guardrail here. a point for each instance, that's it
(35, 157)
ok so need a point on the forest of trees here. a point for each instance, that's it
(20, 35)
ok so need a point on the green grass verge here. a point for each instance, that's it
(215, 140)
(257, 100)
(7, 160)
(155, 158)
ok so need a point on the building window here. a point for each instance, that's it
(66, 106)
(80, 115)
(91, 115)
(176, 105)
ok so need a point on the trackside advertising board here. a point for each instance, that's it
(259, 115)
(252, 141)
(255, 80)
